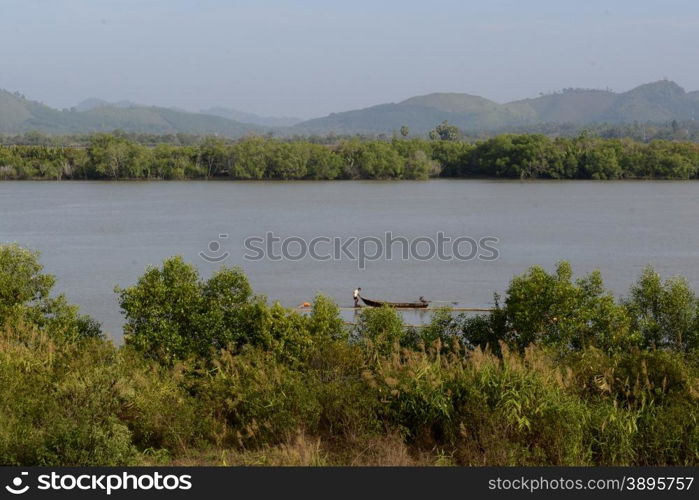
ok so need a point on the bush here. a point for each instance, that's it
(457, 402)
(349, 409)
(612, 434)
(633, 379)
(209, 366)
(443, 332)
(325, 322)
(553, 310)
(157, 406)
(261, 400)
(25, 297)
(63, 409)
(669, 435)
(171, 314)
(380, 329)
(666, 314)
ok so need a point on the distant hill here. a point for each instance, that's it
(18, 114)
(94, 103)
(241, 116)
(569, 106)
(453, 103)
(659, 102)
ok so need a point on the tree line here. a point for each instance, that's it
(638, 131)
(559, 373)
(514, 156)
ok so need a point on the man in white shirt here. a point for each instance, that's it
(355, 294)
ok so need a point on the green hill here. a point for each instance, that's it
(657, 102)
(569, 106)
(252, 118)
(453, 103)
(18, 114)
(13, 111)
(653, 102)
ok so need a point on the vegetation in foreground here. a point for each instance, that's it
(560, 373)
(504, 156)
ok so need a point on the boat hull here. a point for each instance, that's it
(397, 305)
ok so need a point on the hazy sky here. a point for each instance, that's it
(311, 57)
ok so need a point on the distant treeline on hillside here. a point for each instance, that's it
(640, 131)
(114, 156)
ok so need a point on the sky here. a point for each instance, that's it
(308, 58)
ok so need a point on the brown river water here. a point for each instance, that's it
(95, 235)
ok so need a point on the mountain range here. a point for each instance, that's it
(658, 102)
(19, 114)
(243, 117)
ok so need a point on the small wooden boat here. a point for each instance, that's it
(422, 304)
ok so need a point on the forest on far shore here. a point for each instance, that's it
(445, 154)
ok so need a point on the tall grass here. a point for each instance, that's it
(89, 403)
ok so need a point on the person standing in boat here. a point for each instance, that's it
(355, 294)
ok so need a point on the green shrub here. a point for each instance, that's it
(553, 310)
(349, 408)
(157, 407)
(525, 399)
(59, 403)
(325, 322)
(544, 380)
(443, 332)
(633, 379)
(669, 434)
(380, 329)
(25, 297)
(666, 314)
(171, 314)
(414, 387)
(612, 434)
(261, 400)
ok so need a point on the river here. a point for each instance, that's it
(96, 235)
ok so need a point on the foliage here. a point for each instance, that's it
(325, 322)
(666, 314)
(118, 156)
(172, 315)
(211, 369)
(25, 296)
(553, 310)
(445, 132)
(59, 402)
(259, 398)
(381, 329)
